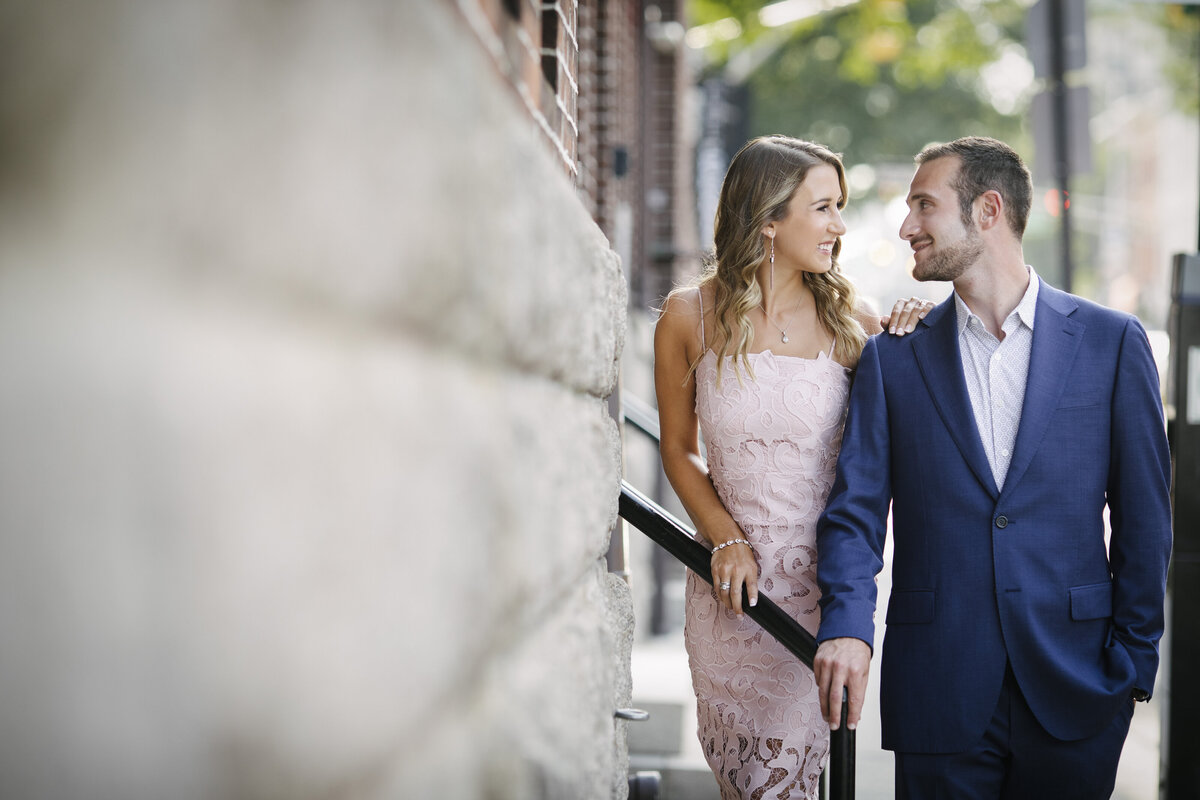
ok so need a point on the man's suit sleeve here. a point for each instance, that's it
(851, 531)
(1139, 505)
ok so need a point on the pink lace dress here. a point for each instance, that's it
(772, 444)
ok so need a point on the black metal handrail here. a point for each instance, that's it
(677, 539)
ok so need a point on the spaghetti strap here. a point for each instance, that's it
(703, 338)
(831, 347)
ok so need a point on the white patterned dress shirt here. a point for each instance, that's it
(996, 371)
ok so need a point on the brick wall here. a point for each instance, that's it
(610, 148)
(534, 43)
(667, 243)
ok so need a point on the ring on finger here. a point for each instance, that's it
(724, 586)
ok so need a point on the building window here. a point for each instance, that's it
(550, 50)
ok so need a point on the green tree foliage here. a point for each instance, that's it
(876, 80)
(1183, 33)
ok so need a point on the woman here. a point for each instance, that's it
(758, 358)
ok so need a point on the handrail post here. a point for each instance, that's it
(841, 756)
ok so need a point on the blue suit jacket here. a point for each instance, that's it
(981, 576)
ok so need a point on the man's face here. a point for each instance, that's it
(943, 247)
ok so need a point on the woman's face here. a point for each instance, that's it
(805, 237)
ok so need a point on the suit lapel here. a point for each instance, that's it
(1056, 340)
(941, 366)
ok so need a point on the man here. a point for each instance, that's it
(999, 430)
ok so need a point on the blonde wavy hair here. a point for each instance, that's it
(760, 182)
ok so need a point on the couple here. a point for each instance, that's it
(996, 431)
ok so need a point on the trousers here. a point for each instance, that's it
(1017, 759)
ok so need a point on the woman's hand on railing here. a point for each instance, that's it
(843, 662)
(734, 566)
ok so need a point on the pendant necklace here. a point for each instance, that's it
(791, 318)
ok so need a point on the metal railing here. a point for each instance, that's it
(679, 540)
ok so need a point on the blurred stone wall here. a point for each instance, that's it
(306, 474)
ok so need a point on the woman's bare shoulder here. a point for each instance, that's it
(682, 309)
(683, 301)
(679, 322)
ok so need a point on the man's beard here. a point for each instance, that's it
(951, 262)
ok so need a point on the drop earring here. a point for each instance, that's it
(772, 263)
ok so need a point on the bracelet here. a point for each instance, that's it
(731, 541)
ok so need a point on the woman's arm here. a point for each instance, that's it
(870, 320)
(676, 345)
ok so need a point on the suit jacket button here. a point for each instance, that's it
(1001, 521)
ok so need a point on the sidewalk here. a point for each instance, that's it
(660, 676)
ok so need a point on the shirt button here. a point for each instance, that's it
(1001, 521)
(1004, 451)
(995, 357)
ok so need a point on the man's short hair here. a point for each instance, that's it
(987, 164)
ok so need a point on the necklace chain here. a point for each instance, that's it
(791, 318)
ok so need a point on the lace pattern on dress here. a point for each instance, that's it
(772, 445)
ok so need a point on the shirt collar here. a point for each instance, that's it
(1028, 305)
(1024, 311)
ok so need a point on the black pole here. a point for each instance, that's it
(659, 623)
(841, 756)
(1180, 735)
(1062, 161)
